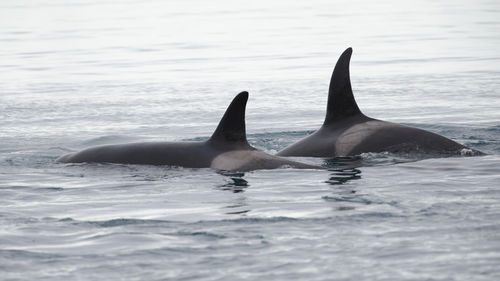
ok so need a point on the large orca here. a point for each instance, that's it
(348, 132)
(227, 149)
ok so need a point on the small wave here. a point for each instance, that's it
(347, 165)
(196, 139)
(50, 189)
(122, 222)
(275, 141)
(494, 129)
(200, 233)
(110, 139)
(376, 215)
(247, 220)
(350, 199)
(387, 158)
(467, 152)
(59, 149)
(242, 212)
(22, 254)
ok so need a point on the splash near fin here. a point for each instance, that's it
(341, 103)
(231, 127)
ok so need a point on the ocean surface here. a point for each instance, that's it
(75, 74)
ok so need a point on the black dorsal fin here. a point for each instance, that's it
(341, 103)
(232, 125)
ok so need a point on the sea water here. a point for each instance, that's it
(75, 74)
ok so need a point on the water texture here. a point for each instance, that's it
(74, 74)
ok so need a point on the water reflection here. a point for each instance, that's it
(343, 169)
(345, 162)
(342, 176)
(235, 182)
(345, 197)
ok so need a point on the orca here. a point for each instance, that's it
(227, 149)
(346, 131)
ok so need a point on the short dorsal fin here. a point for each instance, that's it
(341, 103)
(232, 125)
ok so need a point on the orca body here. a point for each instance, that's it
(346, 131)
(227, 149)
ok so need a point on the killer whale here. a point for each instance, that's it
(346, 131)
(227, 149)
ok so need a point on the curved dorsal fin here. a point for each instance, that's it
(232, 125)
(341, 103)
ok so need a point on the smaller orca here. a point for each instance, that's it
(348, 132)
(227, 149)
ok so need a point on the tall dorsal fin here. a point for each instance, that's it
(232, 125)
(341, 103)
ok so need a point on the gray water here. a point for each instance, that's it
(75, 74)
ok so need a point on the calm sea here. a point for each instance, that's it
(79, 73)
